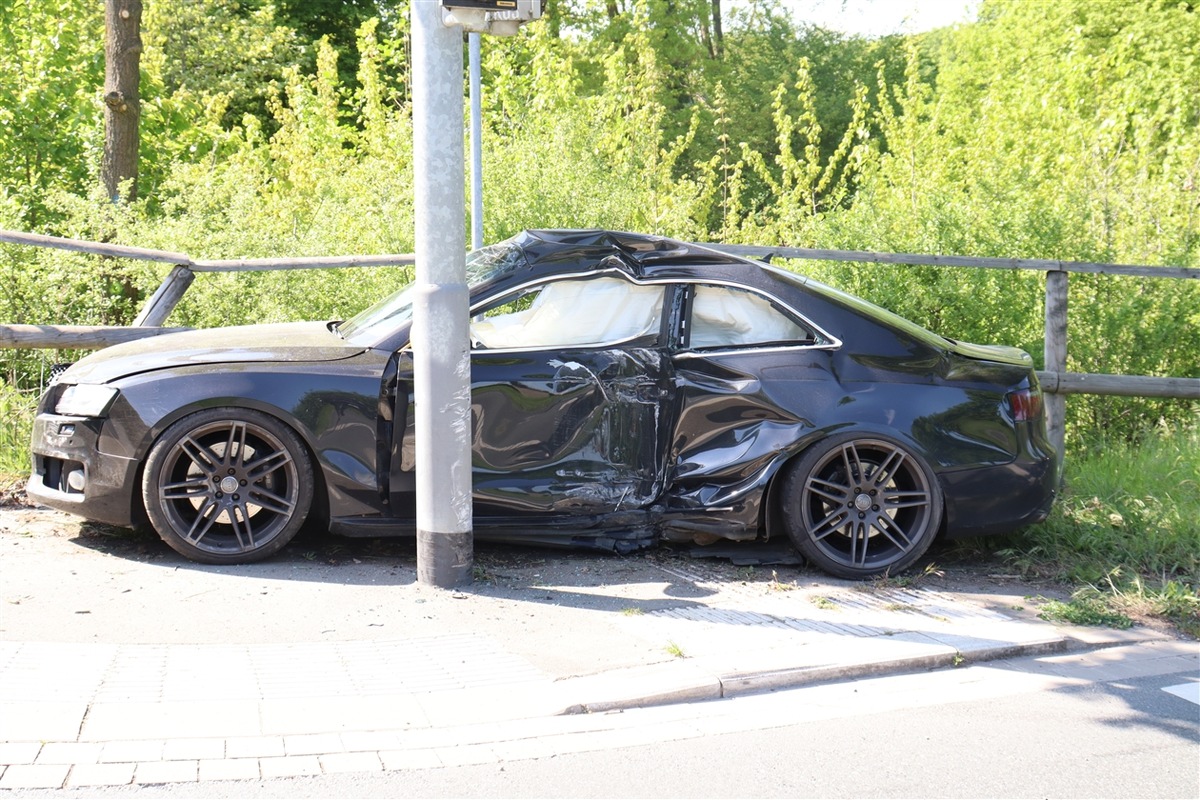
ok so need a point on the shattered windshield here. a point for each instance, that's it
(492, 262)
(383, 318)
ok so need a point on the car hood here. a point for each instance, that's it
(284, 342)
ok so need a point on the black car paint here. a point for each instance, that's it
(613, 447)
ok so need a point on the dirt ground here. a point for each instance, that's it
(63, 579)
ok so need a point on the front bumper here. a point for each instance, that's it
(70, 473)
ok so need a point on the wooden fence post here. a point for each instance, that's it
(1055, 355)
(165, 298)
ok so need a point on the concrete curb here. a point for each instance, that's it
(682, 683)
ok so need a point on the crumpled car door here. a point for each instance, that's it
(575, 431)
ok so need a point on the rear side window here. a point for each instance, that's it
(724, 316)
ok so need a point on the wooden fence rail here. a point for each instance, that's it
(1055, 379)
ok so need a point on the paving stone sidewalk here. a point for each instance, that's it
(121, 664)
(81, 715)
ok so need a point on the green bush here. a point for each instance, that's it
(17, 408)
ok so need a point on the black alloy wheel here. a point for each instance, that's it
(861, 506)
(228, 486)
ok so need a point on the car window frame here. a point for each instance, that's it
(823, 340)
(661, 336)
(676, 311)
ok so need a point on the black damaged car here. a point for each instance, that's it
(626, 389)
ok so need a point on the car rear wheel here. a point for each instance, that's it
(227, 486)
(861, 506)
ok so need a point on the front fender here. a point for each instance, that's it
(334, 412)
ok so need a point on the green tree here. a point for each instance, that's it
(337, 23)
(764, 46)
(51, 70)
(1065, 130)
(219, 53)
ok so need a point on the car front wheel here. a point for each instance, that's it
(861, 506)
(227, 486)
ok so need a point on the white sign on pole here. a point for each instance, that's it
(497, 17)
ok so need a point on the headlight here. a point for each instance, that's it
(85, 400)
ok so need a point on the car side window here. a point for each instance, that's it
(724, 316)
(571, 313)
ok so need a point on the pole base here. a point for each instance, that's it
(445, 560)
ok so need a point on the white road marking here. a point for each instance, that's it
(1188, 691)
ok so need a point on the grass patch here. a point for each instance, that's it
(824, 603)
(1126, 529)
(1133, 506)
(17, 409)
(777, 585)
(907, 580)
(1086, 607)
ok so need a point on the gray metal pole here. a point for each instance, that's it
(441, 351)
(476, 146)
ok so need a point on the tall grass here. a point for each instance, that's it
(1133, 507)
(1127, 527)
(17, 408)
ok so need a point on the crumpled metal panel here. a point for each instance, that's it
(734, 429)
(573, 432)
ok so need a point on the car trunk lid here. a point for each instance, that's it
(1001, 354)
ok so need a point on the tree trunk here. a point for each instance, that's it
(550, 14)
(718, 31)
(706, 33)
(122, 108)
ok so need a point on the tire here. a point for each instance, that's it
(859, 506)
(228, 486)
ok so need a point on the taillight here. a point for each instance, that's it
(1025, 404)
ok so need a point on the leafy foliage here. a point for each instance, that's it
(1109, 176)
(225, 57)
(1066, 130)
(18, 407)
(50, 73)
